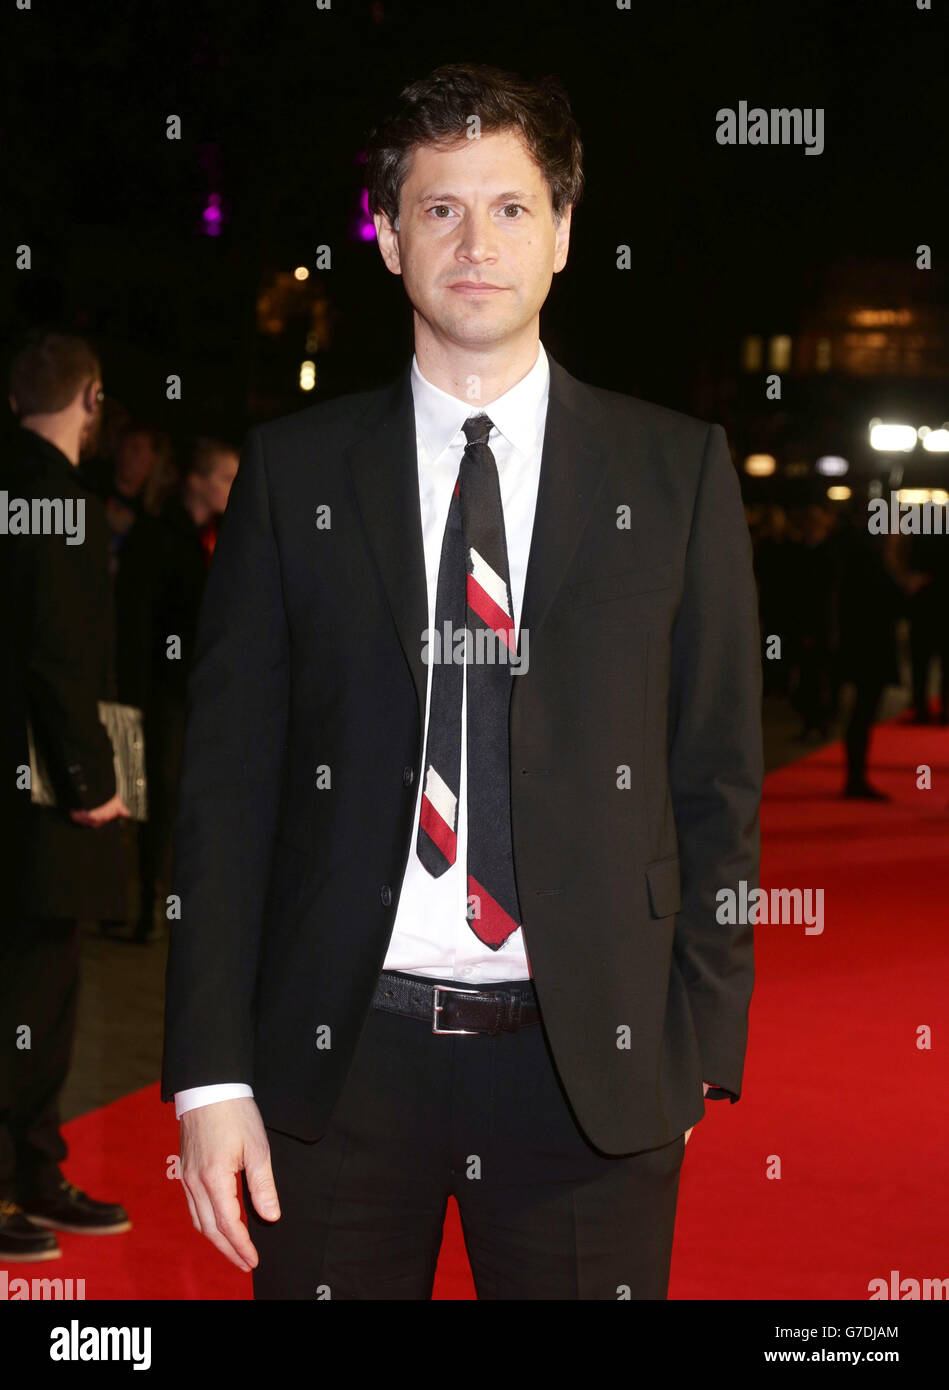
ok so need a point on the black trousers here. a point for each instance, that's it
(39, 971)
(868, 692)
(928, 638)
(422, 1116)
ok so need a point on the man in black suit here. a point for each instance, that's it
(69, 861)
(473, 747)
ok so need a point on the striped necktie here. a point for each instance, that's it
(474, 593)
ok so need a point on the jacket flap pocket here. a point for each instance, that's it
(621, 585)
(665, 890)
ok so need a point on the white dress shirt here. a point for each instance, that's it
(431, 934)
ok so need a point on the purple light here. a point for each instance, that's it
(365, 227)
(212, 216)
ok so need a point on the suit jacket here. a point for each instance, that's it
(636, 761)
(58, 630)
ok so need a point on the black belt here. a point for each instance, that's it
(455, 1009)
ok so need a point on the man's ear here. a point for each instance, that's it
(388, 239)
(13, 406)
(563, 239)
(89, 394)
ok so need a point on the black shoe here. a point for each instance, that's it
(21, 1240)
(68, 1209)
(862, 791)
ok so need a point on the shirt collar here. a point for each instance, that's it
(519, 413)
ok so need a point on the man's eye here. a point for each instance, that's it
(443, 207)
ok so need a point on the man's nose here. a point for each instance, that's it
(478, 240)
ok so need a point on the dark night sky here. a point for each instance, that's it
(723, 240)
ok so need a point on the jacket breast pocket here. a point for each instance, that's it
(622, 584)
(664, 885)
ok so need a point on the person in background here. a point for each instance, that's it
(135, 489)
(66, 862)
(773, 561)
(865, 608)
(158, 595)
(207, 488)
(809, 580)
(123, 484)
(928, 625)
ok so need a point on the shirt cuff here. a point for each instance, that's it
(207, 1095)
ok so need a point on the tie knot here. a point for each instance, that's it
(477, 428)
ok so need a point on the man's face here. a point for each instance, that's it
(477, 214)
(218, 484)
(212, 490)
(135, 461)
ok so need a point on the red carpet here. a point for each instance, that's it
(835, 1087)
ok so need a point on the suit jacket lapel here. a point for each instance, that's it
(384, 469)
(571, 468)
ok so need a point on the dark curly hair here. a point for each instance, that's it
(437, 109)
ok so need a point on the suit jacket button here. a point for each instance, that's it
(386, 895)
(408, 776)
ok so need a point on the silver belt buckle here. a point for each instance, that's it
(437, 1008)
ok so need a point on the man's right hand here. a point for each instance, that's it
(218, 1141)
(100, 815)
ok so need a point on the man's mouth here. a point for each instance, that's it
(474, 287)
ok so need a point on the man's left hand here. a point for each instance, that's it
(704, 1094)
